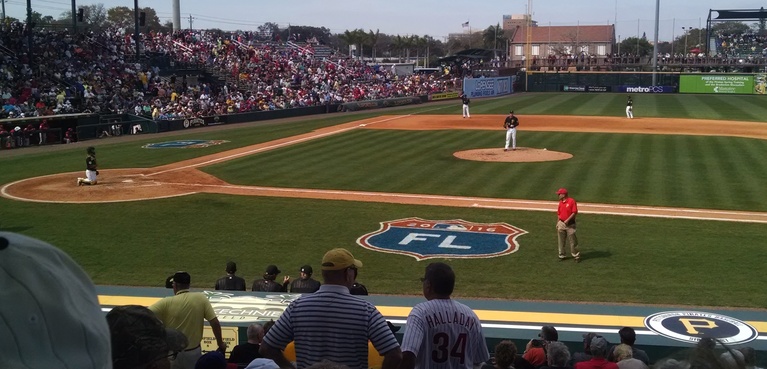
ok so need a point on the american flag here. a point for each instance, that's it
(465, 24)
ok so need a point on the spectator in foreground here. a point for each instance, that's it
(557, 356)
(246, 352)
(438, 284)
(55, 320)
(598, 349)
(624, 358)
(504, 355)
(628, 336)
(139, 339)
(211, 360)
(340, 334)
(185, 311)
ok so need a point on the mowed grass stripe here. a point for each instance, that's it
(750, 159)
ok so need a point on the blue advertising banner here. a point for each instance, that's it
(646, 89)
(487, 87)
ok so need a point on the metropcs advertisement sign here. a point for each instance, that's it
(717, 84)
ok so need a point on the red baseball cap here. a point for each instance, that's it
(562, 191)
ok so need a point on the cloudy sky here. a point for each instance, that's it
(422, 17)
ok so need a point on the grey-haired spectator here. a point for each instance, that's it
(732, 359)
(51, 316)
(624, 358)
(749, 357)
(231, 282)
(598, 348)
(140, 340)
(267, 282)
(305, 284)
(577, 357)
(628, 336)
(557, 356)
(246, 352)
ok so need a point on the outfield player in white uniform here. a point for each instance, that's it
(442, 333)
(510, 124)
(465, 101)
(630, 108)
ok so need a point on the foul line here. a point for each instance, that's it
(286, 143)
(546, 206)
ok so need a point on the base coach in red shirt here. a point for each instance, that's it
(566, 213)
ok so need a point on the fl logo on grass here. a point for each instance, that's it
(428, 239)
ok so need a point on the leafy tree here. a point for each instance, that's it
(693, 38)
(94, 17)
(636, 46)
(731, 28)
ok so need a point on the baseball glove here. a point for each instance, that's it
(97, 172)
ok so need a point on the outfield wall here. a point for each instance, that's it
(642, 82)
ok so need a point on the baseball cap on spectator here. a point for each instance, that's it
(339, 258)
(272, 270)
(139, 337)
(211, 360)
(231, 267)
(306, 269)
(178, 277)
(562, 191)
(598, 346)
(55, 320)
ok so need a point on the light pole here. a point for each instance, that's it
(686, 32)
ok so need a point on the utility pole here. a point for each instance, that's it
(191, 22)
(29, 28)
(2, 26)
(135, 29)
(74, 15)
(655, 46)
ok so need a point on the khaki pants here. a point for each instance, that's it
(566, 233)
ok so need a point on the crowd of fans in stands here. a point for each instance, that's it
(95, 72)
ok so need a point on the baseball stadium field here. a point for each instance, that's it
(673, 203)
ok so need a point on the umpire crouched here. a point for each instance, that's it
(267, 284)
(305, 284)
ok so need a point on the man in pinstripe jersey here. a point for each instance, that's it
(331, 324)
(441, 332)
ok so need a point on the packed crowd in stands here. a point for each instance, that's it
(57, 321)
(741, 45)
(97, 73)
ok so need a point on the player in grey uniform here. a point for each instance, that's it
(441, 332)
(511, 124)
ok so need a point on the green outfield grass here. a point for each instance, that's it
(626, 259)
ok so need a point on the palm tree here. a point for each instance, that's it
(349, 38)
(493, 36)
(373, 38)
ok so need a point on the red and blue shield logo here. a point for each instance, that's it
(449, 239)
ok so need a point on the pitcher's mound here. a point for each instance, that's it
(521, 155)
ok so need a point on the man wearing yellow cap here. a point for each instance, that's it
(331, 324)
